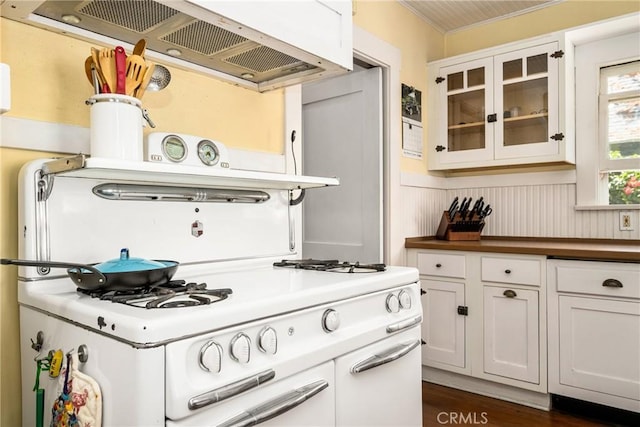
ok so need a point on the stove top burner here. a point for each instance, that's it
(333, 266)
(176, 293)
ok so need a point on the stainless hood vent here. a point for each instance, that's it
(194, 43)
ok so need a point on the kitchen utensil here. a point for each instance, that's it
(452, 207)
(121, 70)
(92, 74)
(139, 48)
(104, 86)
(135, 70)
(108, 66)
(486, 212)
(135, 276)
(465, 207)
(87, 68)
(160, 78)
(148, 72)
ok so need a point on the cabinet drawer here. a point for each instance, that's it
(517, 271)
(599, 278)
(444, 265)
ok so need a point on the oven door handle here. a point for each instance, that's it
(276, 406)
(230, 390)
(394, 353)
(404, 324)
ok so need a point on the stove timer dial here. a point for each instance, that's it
(330, 320)
(392, 303)
(405, 299)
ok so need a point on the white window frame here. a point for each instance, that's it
(606, 164)
(595, 48)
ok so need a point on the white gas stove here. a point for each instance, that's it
(250, 340)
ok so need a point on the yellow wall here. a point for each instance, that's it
(419, 43)
(49, 84)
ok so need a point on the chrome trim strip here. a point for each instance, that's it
(230, 390)
(165, 193)
(404, 324)
(394, 353)
(276, 406)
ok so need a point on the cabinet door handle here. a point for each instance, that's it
(612, 283)
(510, 293)
(438, 265)
(225, 392)
(507, 271)
(277, 406)
(387, 356)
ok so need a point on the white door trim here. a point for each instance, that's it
(379, 53)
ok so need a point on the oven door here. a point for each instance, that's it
(380, 385)
(303, 399)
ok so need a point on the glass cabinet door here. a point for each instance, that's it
(469, 96)
(526, 100)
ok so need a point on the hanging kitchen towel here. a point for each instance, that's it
(80, 399)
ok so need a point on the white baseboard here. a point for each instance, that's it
(487, 388)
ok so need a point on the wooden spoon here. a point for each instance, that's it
(139, 47)
(108, 66)
(145, 80)
(95, 54)
(136, 67)
(92, 74)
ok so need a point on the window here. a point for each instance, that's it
(606, 65)
(619, 133)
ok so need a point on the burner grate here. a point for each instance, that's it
(176, 293)
(333, 266)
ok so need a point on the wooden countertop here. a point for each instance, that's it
(593, 249)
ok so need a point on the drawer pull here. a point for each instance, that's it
(612, 283)
(438, 265)
(507, 271)
(509, 293)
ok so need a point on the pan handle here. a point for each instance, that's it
(54, 264)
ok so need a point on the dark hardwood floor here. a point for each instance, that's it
(443, 406)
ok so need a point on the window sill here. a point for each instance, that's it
(607, 207)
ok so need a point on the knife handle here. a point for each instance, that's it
(121, 70)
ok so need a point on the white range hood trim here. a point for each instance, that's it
(163, 173)
(22, 11)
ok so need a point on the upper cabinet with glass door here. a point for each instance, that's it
(498, 110)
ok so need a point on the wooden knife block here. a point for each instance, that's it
(457, 228)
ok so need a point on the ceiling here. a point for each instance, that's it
(451, 15)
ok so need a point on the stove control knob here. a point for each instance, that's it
(405, 299)
(330, 320)
(268, 340)
(210, 358)
(240, 348)
(392, 303)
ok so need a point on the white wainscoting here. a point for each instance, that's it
(545, 210)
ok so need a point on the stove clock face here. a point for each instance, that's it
(174, 148)
(208, 152)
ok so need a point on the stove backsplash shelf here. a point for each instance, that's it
(82, 166)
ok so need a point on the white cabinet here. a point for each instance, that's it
(484, 315)
(594, 332)
(443, 327)
(499, 107)
(511, 333)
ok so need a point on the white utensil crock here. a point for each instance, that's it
(116, 127)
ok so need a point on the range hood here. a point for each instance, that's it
(259, 45)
